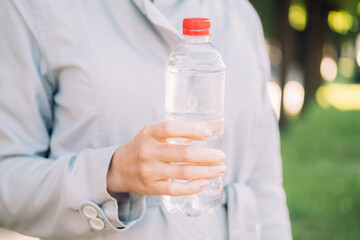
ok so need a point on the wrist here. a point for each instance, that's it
(114, 182)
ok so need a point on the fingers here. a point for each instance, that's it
(190, 171)
(178, 189)
(179, 129)
(154, 158)
(188, 153)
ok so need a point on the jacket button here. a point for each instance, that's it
(89, 212)
(97, 223)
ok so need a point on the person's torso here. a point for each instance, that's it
(108, 61)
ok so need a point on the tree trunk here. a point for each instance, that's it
(286, 41)
(314, 41)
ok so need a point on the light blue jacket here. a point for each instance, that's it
(80, 78)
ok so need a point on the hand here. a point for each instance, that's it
(144, 165)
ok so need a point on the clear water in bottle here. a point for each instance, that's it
(195, 78)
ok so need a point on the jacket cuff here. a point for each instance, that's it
(106, 213)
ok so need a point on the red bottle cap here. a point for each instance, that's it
(196, 26)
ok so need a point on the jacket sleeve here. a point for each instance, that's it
(41, 196)
(266, 181)
(266, 177)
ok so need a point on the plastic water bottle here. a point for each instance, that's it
(195, 79)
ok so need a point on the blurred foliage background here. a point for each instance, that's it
(314, 49)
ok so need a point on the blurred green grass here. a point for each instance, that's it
(321, 161)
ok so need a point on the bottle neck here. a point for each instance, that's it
(196, 39)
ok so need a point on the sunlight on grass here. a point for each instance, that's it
(321, 157)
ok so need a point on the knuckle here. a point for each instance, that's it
(183, 171)
(145, 131)
(148, 189)
(144, 152)
(167, 127)
(171, 190)
(185, 153)
(145, 172)
(157, 188)
(193, 188)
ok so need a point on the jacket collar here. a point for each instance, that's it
(162, 24)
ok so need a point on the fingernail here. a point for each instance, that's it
(204, 183)
(222, 169)
(221, 156)
(207, 132)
